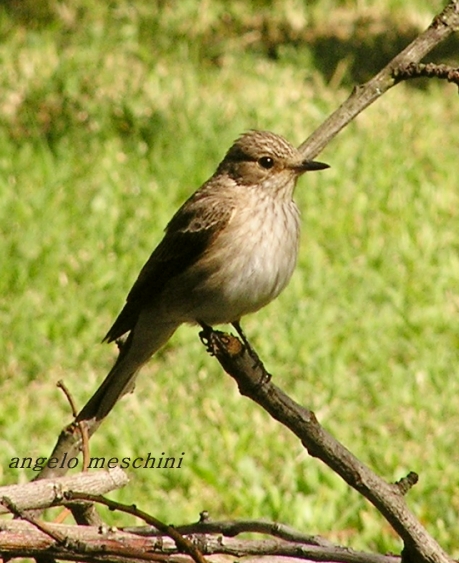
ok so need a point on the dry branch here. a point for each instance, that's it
(181, 542)
(442, 26)
(429, 70)
(50, 492)
(231, 528)
(21, 538)
(254, 382)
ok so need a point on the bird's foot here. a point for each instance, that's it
(258, 364)
(205, 336)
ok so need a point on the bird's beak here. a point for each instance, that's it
(310, 165)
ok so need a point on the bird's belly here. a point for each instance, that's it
(255, 278)
(248, 270)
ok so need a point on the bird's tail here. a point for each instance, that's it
(141, 344)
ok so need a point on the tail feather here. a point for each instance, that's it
(119, 381)
(140, 345)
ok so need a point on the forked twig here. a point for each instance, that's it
(182, 543)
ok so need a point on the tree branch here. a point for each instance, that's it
(182, 543)
(233, 528)
(81, 426)
(21, 538)
(442, 26)
(388, 498)
(48, 492)
(429, 70)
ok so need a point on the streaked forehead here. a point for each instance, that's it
(254, 144)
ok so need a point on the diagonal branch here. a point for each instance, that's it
(386, 497)
(182, 543)
(442, 26)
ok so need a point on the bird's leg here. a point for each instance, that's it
(250, 350)
(120, 343)
(204, 335)
(206, 338)
(237, 326)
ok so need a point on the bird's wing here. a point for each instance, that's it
(192, 229)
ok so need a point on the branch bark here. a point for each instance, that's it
(442, 26)
(20, 538)
(254, 382)
(429, 70)
(48, 492)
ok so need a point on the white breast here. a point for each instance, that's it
(253, 261)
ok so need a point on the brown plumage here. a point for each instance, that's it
(229, 250)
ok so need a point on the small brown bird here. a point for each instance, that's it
(228, 251)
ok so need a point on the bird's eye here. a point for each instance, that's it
(266, 162)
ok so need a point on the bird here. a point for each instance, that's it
(228, 251)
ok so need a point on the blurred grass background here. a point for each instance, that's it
(111, 115)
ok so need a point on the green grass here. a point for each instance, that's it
(111, 117)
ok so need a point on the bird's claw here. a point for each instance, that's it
(206, 337)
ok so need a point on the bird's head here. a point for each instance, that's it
(267, 160)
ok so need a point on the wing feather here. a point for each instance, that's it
(198, 222)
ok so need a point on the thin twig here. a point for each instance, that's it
(426, 70)
(87, 514)
(53, 534)
(81, 425)
(182, 543)
(405, 484)
(61, 385)
(230, 529)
